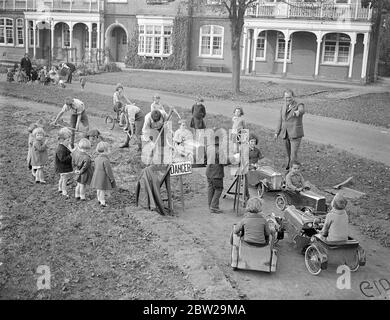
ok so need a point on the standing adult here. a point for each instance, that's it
(78, 115)
(290, 126)
(25, 65)
(134, 123)
(198, 113)
(70, 68)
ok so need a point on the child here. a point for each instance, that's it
(39, 155)
(82, 163)
(43, 78)
(83, 81)
(253, 227)
(254, 153)
(63, 160)
(10, 75)
(156, 104)
(181, 140)
(30, 144)
(238, 125)
(103, 179)
(294, 179)
(215, 174)
(336, 221)
(34, 75)
(198, 111)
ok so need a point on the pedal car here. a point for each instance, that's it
(265, 178)
(321, 252)
(251, 257)
(301, 226)
(306, 200)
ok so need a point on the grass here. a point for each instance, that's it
(206, 86)
(322, 165)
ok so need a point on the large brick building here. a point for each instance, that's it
(329, 40)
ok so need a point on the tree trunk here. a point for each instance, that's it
(236, 65)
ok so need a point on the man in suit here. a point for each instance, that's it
(25, 65)
(290, 126)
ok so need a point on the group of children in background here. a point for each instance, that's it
(72, 163)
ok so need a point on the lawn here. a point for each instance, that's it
(322, 165)
(206, 86)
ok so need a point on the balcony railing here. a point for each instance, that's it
(310, 10)
(53, 5)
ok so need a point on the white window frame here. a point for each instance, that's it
(279, 37)
(64, 29)
(336, 54)
(265, 46)
(4, 27)
(31, 34)
(144, 36)
(116, 1)
(212, 35)
(19, 28)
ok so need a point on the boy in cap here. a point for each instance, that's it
(198, 113)
(336, 221)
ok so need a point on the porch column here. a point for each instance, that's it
(255, 34)
(52, 41)
(366, 42)
(27, 35)
(286, 41)
(35, 38)
(353, 42)
(98, 44)
(243, 50)
(248, 52)
(319, 41)
(90, 42)
(71, 40)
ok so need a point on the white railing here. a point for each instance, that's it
(310, 10)
(54, 5)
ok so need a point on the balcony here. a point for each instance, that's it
(94, 6)
(309, 10)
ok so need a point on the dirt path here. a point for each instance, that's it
(360, 139)
(189, 252)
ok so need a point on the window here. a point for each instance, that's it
(155, 40)
(124, 39)
(280, 47)
(94, 36)
(6, 31)
(19, 32)
(65, 35)
(211, 41)
(31, 34)
(336, 49)
(261, 45)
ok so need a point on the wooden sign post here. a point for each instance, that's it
(179, 169)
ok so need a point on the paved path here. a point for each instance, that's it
(362, 140)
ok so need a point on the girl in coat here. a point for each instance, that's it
(63, 160)
(103, 179)
(30, 144)
(82, 164)
(39, 155)
(238, 125)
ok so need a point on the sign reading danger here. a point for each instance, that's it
(180, 168)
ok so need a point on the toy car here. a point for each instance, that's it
(265, 178)
(321, 252)
(301, 226)
(306, 200)
(252, 257)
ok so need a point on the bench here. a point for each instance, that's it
(210, 67)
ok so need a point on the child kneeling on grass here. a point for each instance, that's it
(63, 160)
(103, 179)
(82, 164)
(39, 155)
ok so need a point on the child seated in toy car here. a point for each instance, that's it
(253, 227)
(294, 179)
(336, 221)
(254, 153)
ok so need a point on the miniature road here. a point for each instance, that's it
(360, 139)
